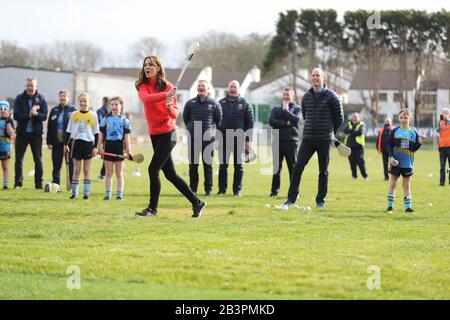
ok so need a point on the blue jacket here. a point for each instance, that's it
(22, 113)
(102, 112)
(279, 118)
(52, 123)
(323, 114)
(236, 114)
(208, 112)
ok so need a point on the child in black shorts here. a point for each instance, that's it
(82, 132)
(115, 136)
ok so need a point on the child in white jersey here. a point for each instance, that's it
(81, 142)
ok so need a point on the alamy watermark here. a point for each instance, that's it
(234, 146)
(374, 280)
(374, 21)
(74, 277)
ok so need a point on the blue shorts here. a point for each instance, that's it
(404, 172)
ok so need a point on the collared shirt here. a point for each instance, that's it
(30, 122)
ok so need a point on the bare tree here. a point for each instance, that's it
(12, 54)
(226, 51)
(144, 47)
(67, 55)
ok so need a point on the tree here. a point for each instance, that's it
(329, 32)
(145, 47)
(12, 54)
(441, 25)
(285, 45)
(226, 51)
(367, 48)
(67, 55)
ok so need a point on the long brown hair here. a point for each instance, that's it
(161, 83)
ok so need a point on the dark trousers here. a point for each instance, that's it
(22, 142)
(356, 159)
(286, 150)
(305, 152)
(57, 160)
(386, 165)
(224, 155)
(162, 160)
(195, 148)
(444, 157)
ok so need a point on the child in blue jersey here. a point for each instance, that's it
(6, 136)
(115, 136)
(403, 142)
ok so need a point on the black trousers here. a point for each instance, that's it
(22, 142)
(195, 148)
(305, 152)
(286, 150)
(162, 160)
(224, 155)
(57, 161)
(356, 159)
(444, 157)
(386, 165)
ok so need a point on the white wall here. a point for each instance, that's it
(443, 99)
(389, 107)
(13, 80)
(271, 92)
(100, 85)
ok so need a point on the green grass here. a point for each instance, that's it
(239, 249)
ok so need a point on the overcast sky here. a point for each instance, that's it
(115, 24)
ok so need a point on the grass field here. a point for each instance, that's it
(239, 249)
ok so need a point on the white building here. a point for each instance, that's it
(13, 80)
(50, 82)
(270, 91)
(435, 93)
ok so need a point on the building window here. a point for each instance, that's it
(429, 101)
(382, 96)
(398, 97)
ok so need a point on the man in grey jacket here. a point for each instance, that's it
(323, 115)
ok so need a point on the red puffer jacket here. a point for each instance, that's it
(159, 119)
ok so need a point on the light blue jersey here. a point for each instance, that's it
(115, 127)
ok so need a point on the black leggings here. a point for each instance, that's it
(162, 160)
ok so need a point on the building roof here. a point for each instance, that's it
(35, 69)
(389, 80)
(189, 77)
(221, 78)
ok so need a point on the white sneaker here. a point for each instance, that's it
(283, 207)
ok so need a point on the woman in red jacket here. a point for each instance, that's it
(160, 108)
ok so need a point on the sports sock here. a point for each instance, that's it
(75, 186)
(391, 198)
(119, 194)
(5, 183)
(108, 193)
(87, 187)
(407, 200)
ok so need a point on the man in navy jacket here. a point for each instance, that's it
(30, 111)
(285, 119)
(237, 119)
(201, 115)
(58, 120)
(323, 114)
